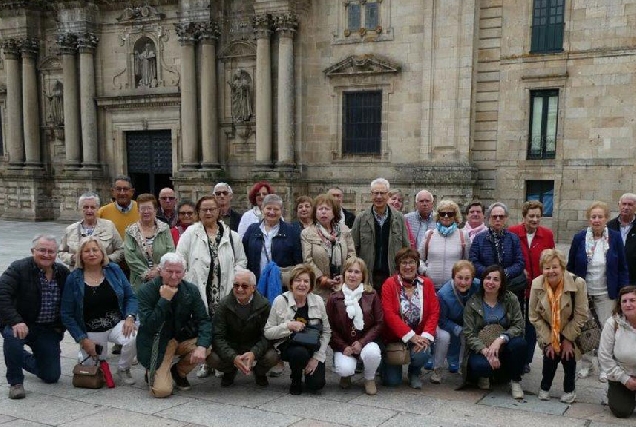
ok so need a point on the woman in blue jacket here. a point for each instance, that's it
(597, 254)
(99, 306)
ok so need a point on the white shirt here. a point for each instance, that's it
(596, 272)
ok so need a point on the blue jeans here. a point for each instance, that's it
(43, 363)
(392, 374)
(512, 357)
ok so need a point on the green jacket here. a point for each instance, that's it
(474, 322)
(156, 313)
(233, 336)
(135, 255)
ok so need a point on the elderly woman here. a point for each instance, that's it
(493, 327)
(255, 214)
(327, 245)
(452, 300)
(617, 356)
(356, 319)
(103, 229)
(146, 241)
(557, 309)
(293, 312)
(411, 313)
(444, 245)
(597, 254)
(99, 306)
(304, 212)
(186, 216)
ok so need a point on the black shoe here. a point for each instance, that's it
(261, 380)
(116, 349)
(180, 382)
(228, 379)
(146, 377)
(296, 388)
(526, 369)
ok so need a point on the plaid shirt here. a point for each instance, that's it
(50, 304)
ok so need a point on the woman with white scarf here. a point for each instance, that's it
(356, 318)
(327, 245)
(597, 254)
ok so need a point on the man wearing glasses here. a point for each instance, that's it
(123, 211)
(223, 194)
(30, 298)
(422, 219)
(378, 233)
(167, 203)
(239, 340)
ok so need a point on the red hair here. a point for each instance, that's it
(256, 188)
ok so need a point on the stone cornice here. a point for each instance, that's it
(362, 65)
(172, 99)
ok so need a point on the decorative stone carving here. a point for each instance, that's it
(145, 13)
(67, 43)
(362, 65)
(286, 24)
(55, 115)
(262, 26)
(187, 32)
(11, 48)
(87, 42)
(29, 46)
(241, 86)
(208, 31)
(145, 63)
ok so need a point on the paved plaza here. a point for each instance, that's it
(244, 404)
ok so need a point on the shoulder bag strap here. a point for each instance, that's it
(154, 355)
(462, 239)
(427, 242)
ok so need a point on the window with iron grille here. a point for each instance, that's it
(542, 191)
(547, 26)
(362, 122)
(544, 105)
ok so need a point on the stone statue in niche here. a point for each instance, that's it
(56, 105)
(146, 66)
(241, 86)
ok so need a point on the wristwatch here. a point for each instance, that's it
(134, 318)
(504, 337)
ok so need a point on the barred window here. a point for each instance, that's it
(362, 122)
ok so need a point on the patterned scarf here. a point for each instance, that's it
(446, 231)
(332, 243)
(590, 243)
(554, 298)
(497, 237)
(352, 304)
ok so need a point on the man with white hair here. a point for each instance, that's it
(422, 219)
(174, 322)
(223, 194)
(624, 223)
(378, 233)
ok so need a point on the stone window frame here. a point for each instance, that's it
(382, 32)
(543, 187)
(547, 94)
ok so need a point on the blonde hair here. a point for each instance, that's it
(85, 241)
(549, 254)
(302, 269)
(598, 205)
(363, 267)
(462, 264)
(449, 204)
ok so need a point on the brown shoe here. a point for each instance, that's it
(16, 391)
(370, 388)
(345, 382)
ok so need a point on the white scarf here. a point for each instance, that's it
(352, 304)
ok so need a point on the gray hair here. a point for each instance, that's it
(425, 192)
(494, 205)
(223, 184)
(249, 274)
(273, 199)
(381, 181)
(89, 195)
(172, 258)
(629, 196)
(45, 237)
(123, 178)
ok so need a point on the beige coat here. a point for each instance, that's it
(104, 230)
(315, 254)
(540, 313)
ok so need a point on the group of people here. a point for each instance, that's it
(245, 293)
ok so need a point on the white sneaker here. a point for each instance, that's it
(483, 383)
(203, 371)
(569, 397)
(602, 377)
(544, 395)
(436, 376)
(516, 390)
(125, 376)
(583, 372)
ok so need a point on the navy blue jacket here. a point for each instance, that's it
(482, 254)
(451, 310)
(72, 310)
(286, 250)
(617, 273)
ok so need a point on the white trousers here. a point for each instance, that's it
(442, 341)
(115, 336)
(370, 356)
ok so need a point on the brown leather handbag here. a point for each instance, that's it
(88, 376)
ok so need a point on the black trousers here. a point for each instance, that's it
(620, 399)
(549, 370)
(297, 356)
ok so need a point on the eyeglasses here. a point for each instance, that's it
(497, 216)
(146, 209)
(206, 210)
(45, 251)
(410, 262)
(446, 214)
(221, 193)
(243, 286)
(186, 213)
(122, 189)
(167, 198)
(379, 193)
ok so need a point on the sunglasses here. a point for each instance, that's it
(446, 214)
(221, 193)
(243, 286)
(186, 213)
(497, 216)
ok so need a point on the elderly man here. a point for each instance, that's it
(475, 222)
(123, 211)
(624, 223)
(238, 333)
(30, 298)
(171, 312)
(167, 211)
(378, 233)
(422, 219)
(223, 194)
(346, 217)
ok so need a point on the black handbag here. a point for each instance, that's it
(517, 284)
(308, 337)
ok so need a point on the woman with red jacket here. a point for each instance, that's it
(411, 312)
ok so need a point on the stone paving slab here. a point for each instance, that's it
(123, 418)
(46, 409)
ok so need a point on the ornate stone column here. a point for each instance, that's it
(286, 27)
(68, 47)
(208, 35)
(86, 44)
(30, 104)
(263, 83)
(15, 139)
(188, 33)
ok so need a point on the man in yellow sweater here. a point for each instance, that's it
(123, 211)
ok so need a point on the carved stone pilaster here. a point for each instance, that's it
(67, 43)
(11, 48)
(262, 26)
(208, 32)
(187, 32)
(286, 24)
(87, 42)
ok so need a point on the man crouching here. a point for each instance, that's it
(174, 322)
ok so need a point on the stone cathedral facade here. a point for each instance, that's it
(488, 99)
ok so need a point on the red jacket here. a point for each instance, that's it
(543, 239)
(394, 327)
